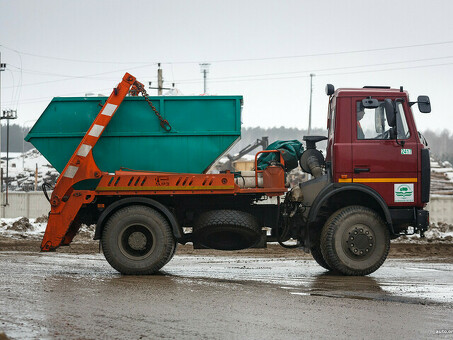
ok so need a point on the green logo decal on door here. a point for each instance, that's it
(404, 192)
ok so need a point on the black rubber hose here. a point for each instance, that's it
(44, 187)
(277, 229)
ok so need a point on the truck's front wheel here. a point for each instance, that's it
(137, 240)
(355, 241)
(315, 251)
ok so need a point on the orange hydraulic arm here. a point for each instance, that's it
(62, 225)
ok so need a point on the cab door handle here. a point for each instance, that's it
(359, 170)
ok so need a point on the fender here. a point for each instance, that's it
(177, 230)
(334, 188)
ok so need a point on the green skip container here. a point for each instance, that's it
(203, 128)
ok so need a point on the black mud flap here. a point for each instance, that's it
(422, 222)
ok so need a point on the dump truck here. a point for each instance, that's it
(137, 168)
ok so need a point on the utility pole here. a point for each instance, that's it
(36, 177)
(204, 68)
(160, 80)
(309, 112)
(7, 114)
(2, 68)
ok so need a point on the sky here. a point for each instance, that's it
(263, 50)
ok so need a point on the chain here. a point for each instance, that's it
(163, 122)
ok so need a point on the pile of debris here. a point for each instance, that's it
(437, 233)
(29, 171)
(441, 178)
(24, 228)
(21, 225)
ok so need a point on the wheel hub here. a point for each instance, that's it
(360, 240)
(136, 241)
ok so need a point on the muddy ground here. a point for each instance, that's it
(84, 245)
(270, 293)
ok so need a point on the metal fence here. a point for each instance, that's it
(25, 204)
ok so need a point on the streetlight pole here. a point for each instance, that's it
(2, 68)
(204, 68)
(309, 112)
(7, 114)
(160, 80)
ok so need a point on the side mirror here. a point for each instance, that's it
(390, 112)
(424, 105)
(330, 89)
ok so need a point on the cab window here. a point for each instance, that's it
(372, 122)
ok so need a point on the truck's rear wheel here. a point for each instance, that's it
(137, 240)
(355, 241)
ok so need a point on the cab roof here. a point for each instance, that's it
(377, 91)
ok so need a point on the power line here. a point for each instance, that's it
(218, 79)
(88, 76)
(235, 60)
(41, 73)
(68, 59)
(36, 100)
(196, 80)
(46, 98)
(317, 54)
(322, 75)
(388, 69)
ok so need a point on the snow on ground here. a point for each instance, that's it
(34, 228)
(441, 178)
(437, 233)
(23, 227)
(443, 168)
(22, 168)
(19, 162)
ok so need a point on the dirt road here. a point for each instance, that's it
(221, 297)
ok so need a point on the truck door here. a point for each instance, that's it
(379, 161)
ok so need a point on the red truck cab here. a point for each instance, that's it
(362, 151)
(389, 159)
